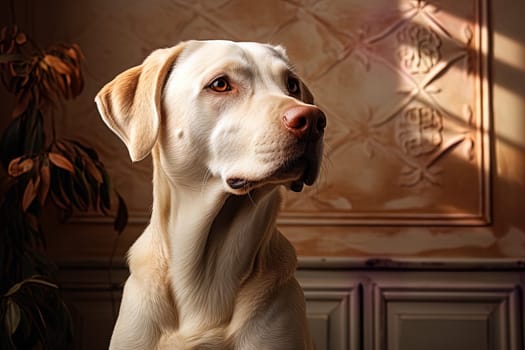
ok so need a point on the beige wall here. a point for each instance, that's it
(423, 158)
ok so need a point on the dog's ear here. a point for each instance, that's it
(130, 104)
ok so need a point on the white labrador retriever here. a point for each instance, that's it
(226, 123)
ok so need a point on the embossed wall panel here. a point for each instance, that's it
(415, 163)
(402, 83)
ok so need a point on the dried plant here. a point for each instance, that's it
(37, 168)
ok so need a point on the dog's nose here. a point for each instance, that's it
(305, 122)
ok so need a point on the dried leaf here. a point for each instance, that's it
(72, 53)
(66, 188)
(93, 170)
(58, 201)
(35, 279)
(121, 220)
(43, 67)
(17, 168)
(61, 162)
(45, 176)
(29, 194)
(105, 202)
(62, 87)
(12, 316)
(12, 69)
(81, 190)
(24, 82)
(58, 178)
(66, 149)
(78, 50)
(57, 64)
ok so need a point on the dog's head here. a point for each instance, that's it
(233, 111)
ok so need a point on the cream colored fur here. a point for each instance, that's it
(211, 271)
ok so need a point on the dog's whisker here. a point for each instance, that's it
(326, 164)
(251, 199)
(205, 178)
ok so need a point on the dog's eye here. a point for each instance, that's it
(292, 84)
(220, 85)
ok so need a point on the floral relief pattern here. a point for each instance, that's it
(419, 131)
(418, 48)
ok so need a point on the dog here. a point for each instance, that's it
(227, 123)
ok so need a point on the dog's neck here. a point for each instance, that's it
(215, 242)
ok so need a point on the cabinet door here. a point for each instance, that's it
(333, 303)
(446, 310)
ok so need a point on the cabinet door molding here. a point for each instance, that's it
(447, 315)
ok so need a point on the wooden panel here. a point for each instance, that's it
(328, 314)
(93, 317)
(333, 307)
(357, 305)
(93, 295)
(452, 326)
(449, 316)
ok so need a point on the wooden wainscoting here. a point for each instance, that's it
(371, 305)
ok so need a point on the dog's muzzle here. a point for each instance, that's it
(306, 124)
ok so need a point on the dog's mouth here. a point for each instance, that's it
(312, 160)
(294, 174)
(307, 178)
